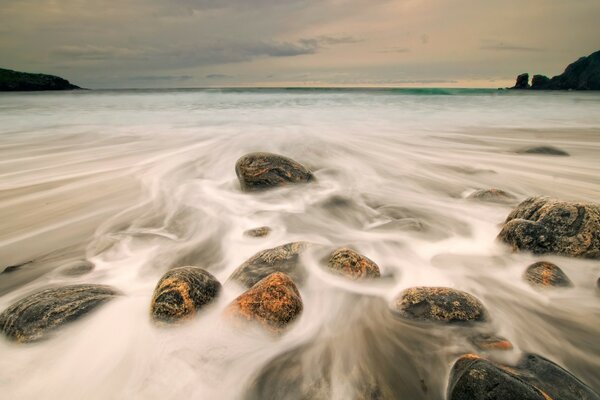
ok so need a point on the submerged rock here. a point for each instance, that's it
(547, 226)
(492, 195)
(285, 258)
(260, 171)
(258, 232)
(533, 378)
(34, 317)
(352, 264)
(543, 150)
(438, 304)
(181, 293)
(76, 268)
(274, 303)
(491, 342)
(546, 274)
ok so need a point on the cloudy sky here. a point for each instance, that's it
(193, 43)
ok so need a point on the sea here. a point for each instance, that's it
(141, 181)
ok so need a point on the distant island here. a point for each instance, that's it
(14, 81)
(583, 74)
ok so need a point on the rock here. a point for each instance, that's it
(491, 342)
(492, 195)
(273, 302)
(34, 317)
(438, 304)
(351, 264)
(546, 274)
(522, 81)
(533, 378)
(258, 232)
(260, 171)
(285, 258)
(475, 378)
(543, 150)
(548, 226)
(22, 81)
(540, 82)
(76, 268)
(12, 268)
(181, 293)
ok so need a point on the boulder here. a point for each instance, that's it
(352, 264)
(35, 316)
(438, 304)
(545, 274)
(258, 232)
(543, 150)
(181, 293)
(533, 378)
(23, 81)
(260, 171)
(522, 81)
(273, 303)
(285, 258)
(547, 226)
(540, 82)
(492, 195)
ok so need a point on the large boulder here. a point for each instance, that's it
(438, 304)
(533, 378)
(181, 293)
(351, 264)
(546, 274)
(284, 258)
(36, 316)
(260, 171)
(273, 303)
(547, 226)
(522, 81)
(540, 82)
(23, 81)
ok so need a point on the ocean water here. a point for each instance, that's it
(141, 181)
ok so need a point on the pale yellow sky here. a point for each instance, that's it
(193, 43)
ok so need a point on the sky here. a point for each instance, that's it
(208, 43)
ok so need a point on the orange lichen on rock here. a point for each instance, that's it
(352, 264)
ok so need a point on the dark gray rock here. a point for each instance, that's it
(522, 81)
(34, 317)
(546, 274)
(23, 81)
(543, 226)
(438, 304)
(260, 171)
(285, 258)
(543, 150)
(181, 293)
(540, 82)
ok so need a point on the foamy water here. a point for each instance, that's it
(142, 181)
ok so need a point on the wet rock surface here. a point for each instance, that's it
(284, 258)
(438, 304)
(492, 195)
(547, 226)
(75, 268)
(534, 377)
(491, 342)
(181, 293)
(351, 264)
(273, 302)
(258, 232)
(260, 171)
(34, 317)
(545, 274)
(543, 150)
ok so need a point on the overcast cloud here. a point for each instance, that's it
(162, 43)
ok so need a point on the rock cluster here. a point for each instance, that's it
(260, 171)
(547, 226)
(35, 316)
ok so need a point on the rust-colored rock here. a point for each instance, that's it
(274, 303)
(285, 258)
(181, 293)
(438, 304)
(547, 226)
(491, 342)
(260, 171)
(352, 264)
(545, 274)
(492, 195)
(258, 232)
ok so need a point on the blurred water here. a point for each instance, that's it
(141, 181)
